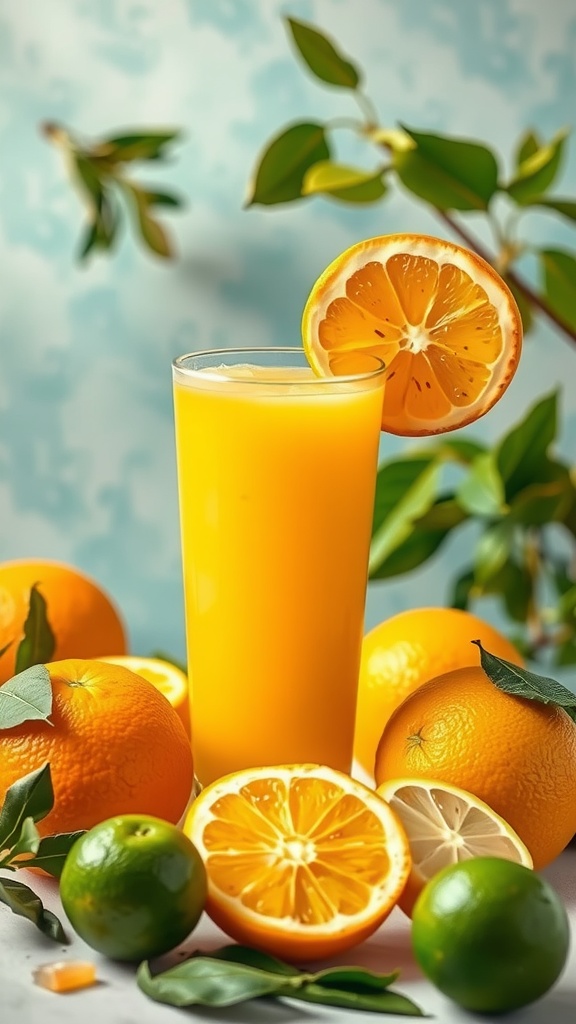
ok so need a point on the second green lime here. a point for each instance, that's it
(490, 934)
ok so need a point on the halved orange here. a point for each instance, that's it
(302, 861)
(440, 317)
(444, 825)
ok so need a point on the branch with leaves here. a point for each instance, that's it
(523, 499)
(28, 801)
(99, 169)
(452, 176)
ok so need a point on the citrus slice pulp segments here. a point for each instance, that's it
(302, 861)
(166, 677)
(444, 825)
(440, 317)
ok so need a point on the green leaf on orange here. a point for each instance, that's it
(26, 697)
(520, 682)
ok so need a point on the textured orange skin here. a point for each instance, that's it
(82, 617)
(115, 746)
(407, 650)
(517, 755)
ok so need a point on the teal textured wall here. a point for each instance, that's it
(86, 447)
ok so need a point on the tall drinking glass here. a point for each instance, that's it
(276, 478)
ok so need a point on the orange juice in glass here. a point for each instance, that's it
(276, 479)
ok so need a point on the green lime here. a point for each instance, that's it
(490, 934)
(133, 887)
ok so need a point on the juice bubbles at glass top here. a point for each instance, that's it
(276, 478)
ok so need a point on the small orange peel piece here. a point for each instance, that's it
(65, 975)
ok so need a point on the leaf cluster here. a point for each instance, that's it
(28, 801)
(449, 174)
(237, 974)
(521, 495)
(99, 169)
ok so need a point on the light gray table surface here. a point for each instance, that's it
(117, 1000)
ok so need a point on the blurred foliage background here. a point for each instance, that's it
(443, 120)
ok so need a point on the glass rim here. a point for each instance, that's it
(344, 378)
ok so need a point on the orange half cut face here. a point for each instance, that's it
(302, 861)
(442, 320)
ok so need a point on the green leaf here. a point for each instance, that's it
(162, 199)
(31, 796)
(25, 903)
(525, 446)
(448, 173)
(520, 682)
(566, 604)
(151, 231)
(522, 302)
(280, 174)
(255, 958)
(134, 146)
(492, 551)
(38, 643)
(88, 178)
(26, 697)
(463, 589)
(537, 171)
(410, 554)
(516, 586)
(322, 57)
(234, 975)
(405, 490)
(345, 183)
(377, 1002)
(102, 230)
(28, 841)
(445, 514)
(429, 532)
(481, 493)
(207, 981)
(355, 979)
(542, 503)
(559, 271)
(52, 852)
(566, 207)
(565, 653)
(528, 145)
(458, 449)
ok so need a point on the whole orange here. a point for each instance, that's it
(517, 755)
(405, 651)
(82, 617)
(115, 746)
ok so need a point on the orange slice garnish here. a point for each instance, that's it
(440, 317)
(302, 861)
